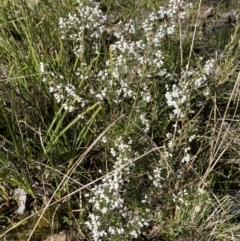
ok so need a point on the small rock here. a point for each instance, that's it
(21, 196)
(230, 16)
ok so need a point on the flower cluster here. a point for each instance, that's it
(108, 196)
(64, 94)
(179, 95)
(131, 60)
(157, 177)
(178, 99)
(88, 19)
(181, 199)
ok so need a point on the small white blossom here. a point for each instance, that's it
(191, 138)
(41, 67)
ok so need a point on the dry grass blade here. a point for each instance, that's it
(219, 145)
(70, 171)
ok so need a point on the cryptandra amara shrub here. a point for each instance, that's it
(126, 80)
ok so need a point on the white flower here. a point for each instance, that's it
(104, 210)
(112, 151)
(170, 144)
(200, 191)
(80, 116)
(104, 139)
(71, 109)
(191, 138)
(134, 233)
(185, 159)
(41, 67)
(51, 89)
